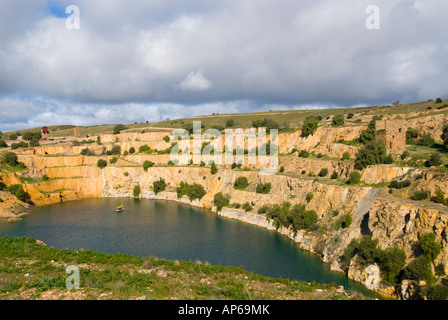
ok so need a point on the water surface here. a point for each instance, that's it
(171, 230)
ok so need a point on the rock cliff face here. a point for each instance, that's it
(391, 220)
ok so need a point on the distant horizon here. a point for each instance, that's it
(89, 63)
(216, 114)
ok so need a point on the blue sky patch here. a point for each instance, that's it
(57, 9)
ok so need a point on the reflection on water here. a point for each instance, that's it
(172, 230)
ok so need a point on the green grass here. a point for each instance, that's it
(28, 270)
(294, 117)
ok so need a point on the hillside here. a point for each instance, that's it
(353, 226)
(33, 271)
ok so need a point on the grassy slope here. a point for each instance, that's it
(32, 271)
(294, 117)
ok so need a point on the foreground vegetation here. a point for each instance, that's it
(31, 270)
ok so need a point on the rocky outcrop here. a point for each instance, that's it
(401, 223)
(392, 220)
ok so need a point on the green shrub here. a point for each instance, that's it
(418, 269)
(367, 250)
(241, 183)
(303, 219)
(309, 197)
(233, 165)
(394, 184)
(118, 128)
(263, 209)
(304, 154)
(367, 136)
(282, 169)
(434, 160)
(439, 100)
(388, 159)
(166, 139)
(440, 197)
(131, 150)
(137, 190)
(405, 155)
(10, 158)
(297, 217)
(309, 126)
(45, 178)
(230, 123)
(193, 191)
(147, 164)
(349, 253)
(13, 188)
(338, 120)
(438, 292)
(3, 144)
(30, 135)
(430, 248)
(334, 175)
(355, 177)
(21, 194)
(34, 142)
(220, 200)
(159, 186)
(411, 135)
(391, 262)
(323, 172)
(372, 153)
(145, 149)
(347, 220)
(116, 150)
(113, 160)
(213, 168)
(263, 188)
(426, 140)
(247, 207)
(101, 163)
(346, 156)
(85, 151)
(21, 144)
(420, 195)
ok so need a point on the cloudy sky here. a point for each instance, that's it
(146, 60)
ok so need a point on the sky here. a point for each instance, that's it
(149, 60)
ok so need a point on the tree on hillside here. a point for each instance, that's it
(30, 135)
(309, 126)
(34, 142)
(338, 120)
(10, 158)
(213, 168)
(444, 135)
(101, 163)
(118, 128)
(230, 123)
(372, 153)
(159, 185)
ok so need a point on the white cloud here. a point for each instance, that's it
(138, 53)
(195, 81)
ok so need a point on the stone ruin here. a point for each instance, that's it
(392, 133)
